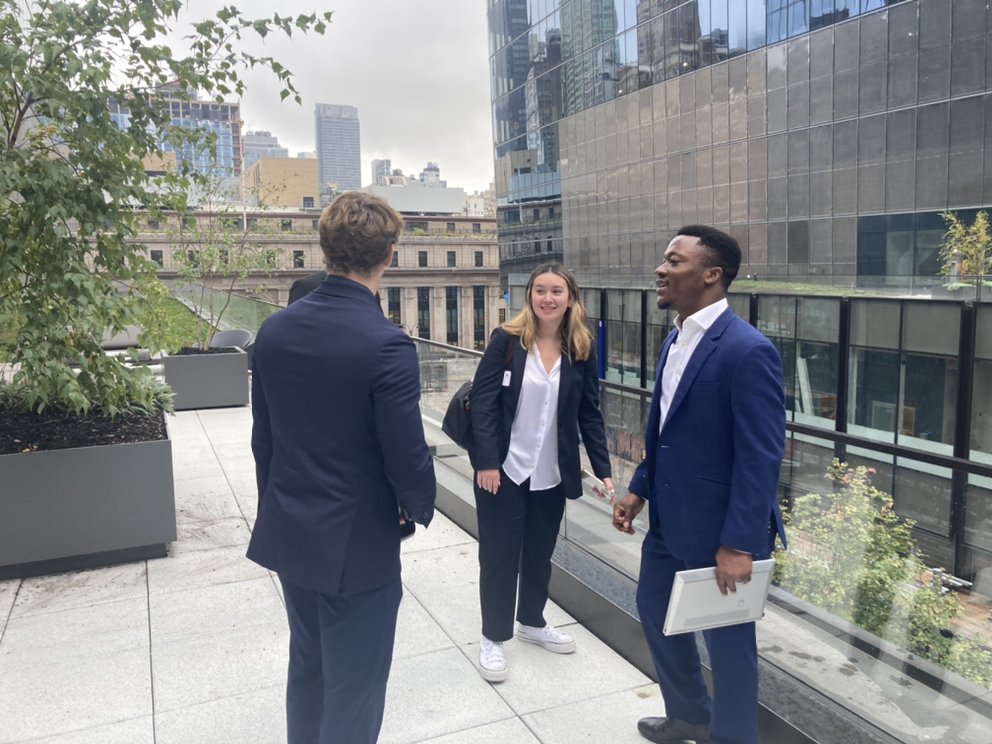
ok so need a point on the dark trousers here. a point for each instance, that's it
(340, 651)
(733, 711)
(517, 533)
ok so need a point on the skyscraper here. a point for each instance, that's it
(338, 148)
(381, 169)
(261, 144)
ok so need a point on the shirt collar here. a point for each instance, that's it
(701, 320)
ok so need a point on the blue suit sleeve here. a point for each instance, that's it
(758, 418)
(261, 432)
(400, 429)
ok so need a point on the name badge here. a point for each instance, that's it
(506, 378)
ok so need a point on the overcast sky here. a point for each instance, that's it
(417, 70)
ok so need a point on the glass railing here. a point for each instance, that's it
(856, 613)
(239, 311)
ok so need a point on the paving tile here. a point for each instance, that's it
(8, 590)
(220, 533)
(442, 533)
(508, 731)
(190, 569)
(538, 679)
(416, 631)
(205, 499)
(456, 610)
(258, 717)
(76, 634)
(443, 568)
(56, 695)
(204, 667)
(437, 694)
(80, 589)
(133, 731)
(213, 610)
(611, 718)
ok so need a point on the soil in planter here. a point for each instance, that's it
(193, 350)
(31, 432)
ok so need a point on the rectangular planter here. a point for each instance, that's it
(69, 509)
(208, 380)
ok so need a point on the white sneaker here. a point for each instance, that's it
(492, 663)
(550, 637)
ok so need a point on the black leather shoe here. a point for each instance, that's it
(673, 731)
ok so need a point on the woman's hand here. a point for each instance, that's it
(488, 480)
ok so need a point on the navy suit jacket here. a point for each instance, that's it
(712, 474)
(338, 441)
(495, 405)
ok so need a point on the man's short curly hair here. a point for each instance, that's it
(356, 230)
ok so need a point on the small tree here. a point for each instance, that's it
(212, 250)
(967, 250)
(71, 178)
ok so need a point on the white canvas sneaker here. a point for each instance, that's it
(550, 637)
(492, 663)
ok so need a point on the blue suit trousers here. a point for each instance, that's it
(732, 712)
(340, 652)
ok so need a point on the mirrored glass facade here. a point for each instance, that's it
(825, 135)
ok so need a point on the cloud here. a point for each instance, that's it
(417, 70)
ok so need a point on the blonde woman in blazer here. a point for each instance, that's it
(535, 390)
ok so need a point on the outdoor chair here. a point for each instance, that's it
(238, 337)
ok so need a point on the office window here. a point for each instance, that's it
(286, 225)
(189, 222)
(156, 257)
(451, 313)
(315, 225)
(297, 259)
(477, 227)
(415, 225)
(451, 259)
(308, 202)
(479, 258)
(395, 260)
(251, 225)
(423, 328)
(422, 259)
(153, 224)
(451, 227)
(393, 303)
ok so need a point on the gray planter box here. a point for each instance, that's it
(79, 508)
(208, 380)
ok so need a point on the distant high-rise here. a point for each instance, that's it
(261, 144)
(338, 148)
(381, 169)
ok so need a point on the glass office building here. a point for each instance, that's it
(827, 136)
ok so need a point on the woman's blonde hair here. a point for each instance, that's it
(576, 339)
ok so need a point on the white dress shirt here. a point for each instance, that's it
(533, 449)
(690, 331)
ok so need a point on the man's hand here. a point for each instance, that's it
(732, 567)
(625, 510)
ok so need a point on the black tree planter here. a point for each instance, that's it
(68, 509)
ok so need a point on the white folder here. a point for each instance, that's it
(696, 602)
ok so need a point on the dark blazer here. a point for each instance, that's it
(338, 441)
(712, 475)
(305, 285)
(494, 406)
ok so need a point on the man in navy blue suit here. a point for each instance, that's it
(714, 444)
(339, 457)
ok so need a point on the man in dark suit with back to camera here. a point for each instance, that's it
(714, 442)
(339, 452)
(303, 286)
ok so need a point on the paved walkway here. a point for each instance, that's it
(191, 649)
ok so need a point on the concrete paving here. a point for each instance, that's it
(192, 648)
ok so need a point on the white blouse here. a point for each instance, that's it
(533, 449)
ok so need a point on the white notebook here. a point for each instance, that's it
(697, 604)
